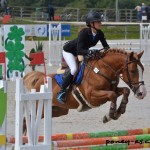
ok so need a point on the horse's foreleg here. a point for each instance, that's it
(100, 97)
(112, 113)
(122, 108)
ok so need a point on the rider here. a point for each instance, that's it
(87, 37)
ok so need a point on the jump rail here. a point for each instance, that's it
(99, 141)
(109, 147)
(85, 135)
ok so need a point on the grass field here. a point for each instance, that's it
(113, 32)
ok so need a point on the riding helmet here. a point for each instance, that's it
(93, 16)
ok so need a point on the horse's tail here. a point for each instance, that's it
(32, 78)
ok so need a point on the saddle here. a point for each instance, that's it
(62, 72)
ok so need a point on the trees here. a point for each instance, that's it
(80, 4)
(21, 2)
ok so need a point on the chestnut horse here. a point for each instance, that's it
(100, 82)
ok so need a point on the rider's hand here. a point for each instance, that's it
(106, 48)
(90, 52)
(93, 51)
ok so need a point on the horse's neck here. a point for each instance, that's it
(115, 61)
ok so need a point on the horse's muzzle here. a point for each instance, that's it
(141, 92)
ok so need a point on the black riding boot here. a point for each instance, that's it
(61, 97)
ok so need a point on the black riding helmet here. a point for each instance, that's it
(93, 16)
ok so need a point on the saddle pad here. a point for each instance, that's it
(77, 80)
(59, 79)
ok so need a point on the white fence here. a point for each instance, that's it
(133, 45)
(145, 43)
(55, 44)
(28, 102)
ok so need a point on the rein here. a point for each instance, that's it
(97, 71)
(129, 83)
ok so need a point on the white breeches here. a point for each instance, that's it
(71, 61)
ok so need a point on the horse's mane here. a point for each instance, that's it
(120, 51)
(110, 51)
(115, 50)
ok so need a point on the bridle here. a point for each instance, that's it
(129, 82)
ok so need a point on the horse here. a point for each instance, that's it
(100, 81)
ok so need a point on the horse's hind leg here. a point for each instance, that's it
(58, 111)
(24, 126)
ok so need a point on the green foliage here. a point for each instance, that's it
(24, 2)
(38, 46)
(130, 4)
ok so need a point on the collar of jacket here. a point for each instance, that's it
(90, 31)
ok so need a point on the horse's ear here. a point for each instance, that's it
(140, 54)
(131, 55)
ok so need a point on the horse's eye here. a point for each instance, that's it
(132, 71)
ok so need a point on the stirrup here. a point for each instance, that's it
(61, 97)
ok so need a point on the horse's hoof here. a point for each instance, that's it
(105, 120)
(123, 110)
(115, 118)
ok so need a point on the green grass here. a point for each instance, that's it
(112, 32)
(122, 32)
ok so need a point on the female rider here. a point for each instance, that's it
(87, 37)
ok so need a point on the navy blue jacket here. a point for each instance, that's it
(85, 40)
